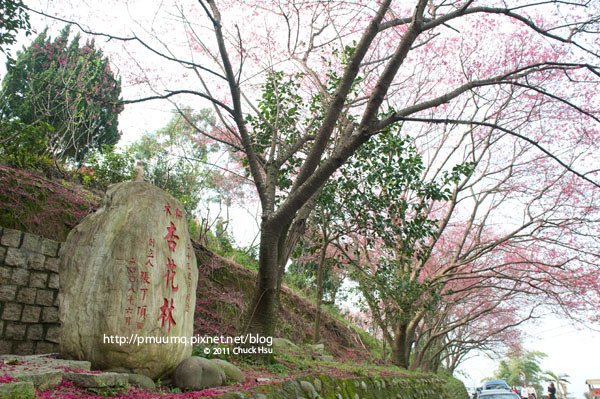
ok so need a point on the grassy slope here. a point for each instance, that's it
(52, 207)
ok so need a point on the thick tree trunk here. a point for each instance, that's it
(401, 347)
(261, 314)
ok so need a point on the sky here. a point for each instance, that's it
(569, 350)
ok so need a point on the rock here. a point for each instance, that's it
(198, 373)
(142, 381)
(309, 389)
(126, 272)
(17, 390)
(284, 345)
(233, 374)
(92, 380)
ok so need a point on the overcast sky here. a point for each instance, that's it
(570, 350)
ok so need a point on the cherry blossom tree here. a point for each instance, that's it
(335, 74)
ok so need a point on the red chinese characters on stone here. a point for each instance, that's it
(178, 213)
(166, 314)
(171, 237)
(170, 275)
(167, 209)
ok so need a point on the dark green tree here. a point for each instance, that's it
(70, 87)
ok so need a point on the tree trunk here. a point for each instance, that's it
(320, 273)
(261, 314)
(401, 347)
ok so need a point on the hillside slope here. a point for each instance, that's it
(52, 207)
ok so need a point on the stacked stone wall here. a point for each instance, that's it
(29, 284)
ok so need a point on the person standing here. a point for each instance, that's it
(531, 393)
(551, 391)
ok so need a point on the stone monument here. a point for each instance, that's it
(128, 272)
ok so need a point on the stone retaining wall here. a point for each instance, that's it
(28, 293)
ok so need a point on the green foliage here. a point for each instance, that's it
(67, 86)
(174, 158)
(521, 369)
(455, 388)
(24, 146)
(13, 18)
(106, 166)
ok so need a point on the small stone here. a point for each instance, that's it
(11, 238)
(53, 281)
(8, 292)
(5, 272)
(53, 334)
(46, 347)
(309, 389)
(14, 257)
(31, 243)
(31, 314)
(142, 381)
(15, 331)
(35, 332)
(197, 373)
(38, 279)
(232, 373)
(21, 390)
(45, 297)
(51, 264)
(12, 311)
(50, 247)
(26, 295)
(20, 276)
(50, 315)
(363, 385)
(318, 385)
(35, 261)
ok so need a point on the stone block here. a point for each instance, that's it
(45, 297)
(24, 348)
(35, 261)
(26, 295)
(12, 311)
(85, 380)
(15, 257)
(50, 314)
(8, 293)
(11, 238)
(20, 276)
(35, 332)
(51, 264)
(53, 334)
(31, 314)
(21, 390)
(2, 254)
(15, 331)
(6, 347)
(46, 347)
(42, 379)
(5, 273)
(38, 279)
(50, 247)
(53, 281)
(31, 243)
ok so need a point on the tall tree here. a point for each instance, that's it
(68, 86)
(372, 65)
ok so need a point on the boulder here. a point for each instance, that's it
(128, 272)
(233, 374)
(197, 373)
